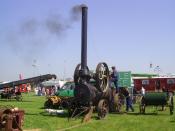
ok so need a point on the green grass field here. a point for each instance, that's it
(37, 118)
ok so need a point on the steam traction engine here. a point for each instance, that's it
(88, 96)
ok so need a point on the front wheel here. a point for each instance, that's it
(103, 108)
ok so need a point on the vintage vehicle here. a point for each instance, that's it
(61, 97)
(11, 118)
(86, 95)
(157, 99)
(11, 92)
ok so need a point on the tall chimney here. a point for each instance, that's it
(84, 39)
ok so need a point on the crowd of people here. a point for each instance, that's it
(45, 91)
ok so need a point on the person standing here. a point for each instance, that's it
(114, 78)
(158, 85)
(128, 99)
(143, 91)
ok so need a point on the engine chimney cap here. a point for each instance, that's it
(83, 6)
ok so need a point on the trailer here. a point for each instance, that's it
(157, 99)
(155, 84)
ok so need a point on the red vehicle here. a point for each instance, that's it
(22, 88)
(155, 84)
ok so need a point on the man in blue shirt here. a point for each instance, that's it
(125, 92)
(114, 77)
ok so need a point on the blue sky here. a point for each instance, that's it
(129, 34)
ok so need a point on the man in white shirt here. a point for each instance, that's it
(143, 91)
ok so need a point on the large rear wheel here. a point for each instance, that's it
(102, 77)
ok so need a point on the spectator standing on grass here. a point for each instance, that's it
(28, 88)
(143, 91)
(39, 91)
(114, 77)
(52, 91)
(128, 99)
(158, 85)
(47, 92)
(43, 91)
(36, 90)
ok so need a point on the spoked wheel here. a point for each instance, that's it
(171, 104)
(3, 116)
(102, 77)
(118, 103)
(76, 73)
(103, 108)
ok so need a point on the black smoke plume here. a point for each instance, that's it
(33, 36)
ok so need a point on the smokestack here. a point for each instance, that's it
(84, 38)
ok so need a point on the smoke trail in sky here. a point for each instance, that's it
(33, 36)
